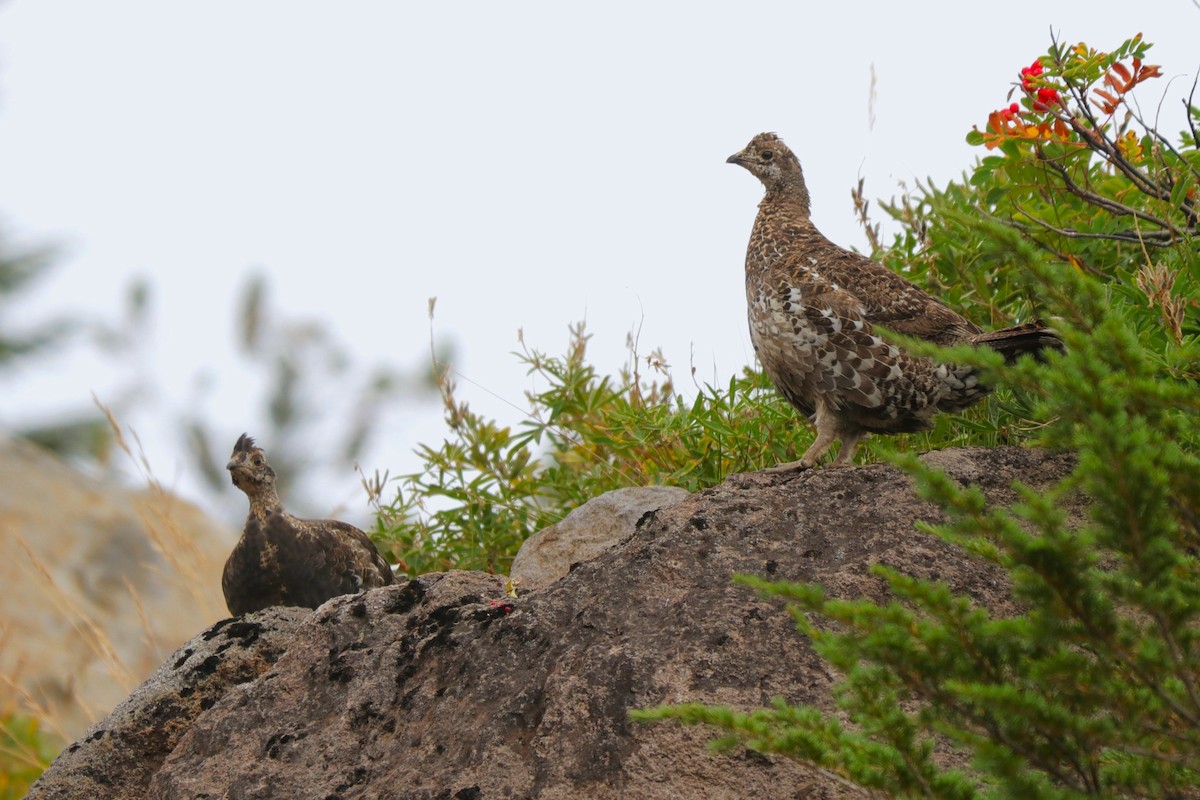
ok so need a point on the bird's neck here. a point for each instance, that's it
(784, 209)
(791, 194)
(263, 502)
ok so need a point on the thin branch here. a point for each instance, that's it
(861, 207)
(1103, 145)
(1177, 733)
(1155, 238)
(1188, 106)
(1113, 651)
(1184, 674)
(1059, 254)
(1108, 204)
(971, 719)
(1094, 134)
(1188, 208)
(1155, 755)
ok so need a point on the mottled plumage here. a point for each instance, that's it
(284, 561)
(813, 307)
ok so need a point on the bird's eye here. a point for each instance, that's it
(257, 461)
(766, 155)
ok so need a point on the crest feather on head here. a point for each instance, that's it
(245, 444)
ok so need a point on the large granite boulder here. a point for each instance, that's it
(443, 687)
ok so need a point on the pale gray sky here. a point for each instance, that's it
(530, 164)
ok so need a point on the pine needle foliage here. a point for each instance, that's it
(1094, 689)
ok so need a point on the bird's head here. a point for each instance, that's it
(769, 159)
(249, 468)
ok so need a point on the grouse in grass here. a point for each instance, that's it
(813, 309)
(285, 561)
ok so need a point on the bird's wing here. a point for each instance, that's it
(317, 560)
(825, 329)
(365, 556)
(887, 299)
(310, 561)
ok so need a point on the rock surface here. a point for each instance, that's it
(443, 688)
(586, 532)
(101, 582)
(144, 729)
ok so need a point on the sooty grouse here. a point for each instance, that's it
(813, 307)
(284, 561)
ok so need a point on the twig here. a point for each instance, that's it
(862, 208)
(1188, 106)
(1156, 238)
(1059, 254)
(1188, 207)
(1108, 204)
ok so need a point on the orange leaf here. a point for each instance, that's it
(1121, 70)
(1129, 145)
(1110, 98)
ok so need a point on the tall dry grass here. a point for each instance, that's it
(108, 646)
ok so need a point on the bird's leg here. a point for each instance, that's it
(845, 456)
(826, 436)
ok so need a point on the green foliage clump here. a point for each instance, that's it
(485, 489)
(488, 486)
(25, 751)
(1094, 690)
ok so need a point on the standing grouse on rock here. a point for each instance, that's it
(813, 307)
(284, 561)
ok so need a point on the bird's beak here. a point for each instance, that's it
(231, 466)
(736, 158)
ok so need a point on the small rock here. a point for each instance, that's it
(587, 532)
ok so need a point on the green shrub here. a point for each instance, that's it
(488, 486)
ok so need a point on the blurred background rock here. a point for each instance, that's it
(101, 583)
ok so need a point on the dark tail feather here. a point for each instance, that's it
(1031, 338)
